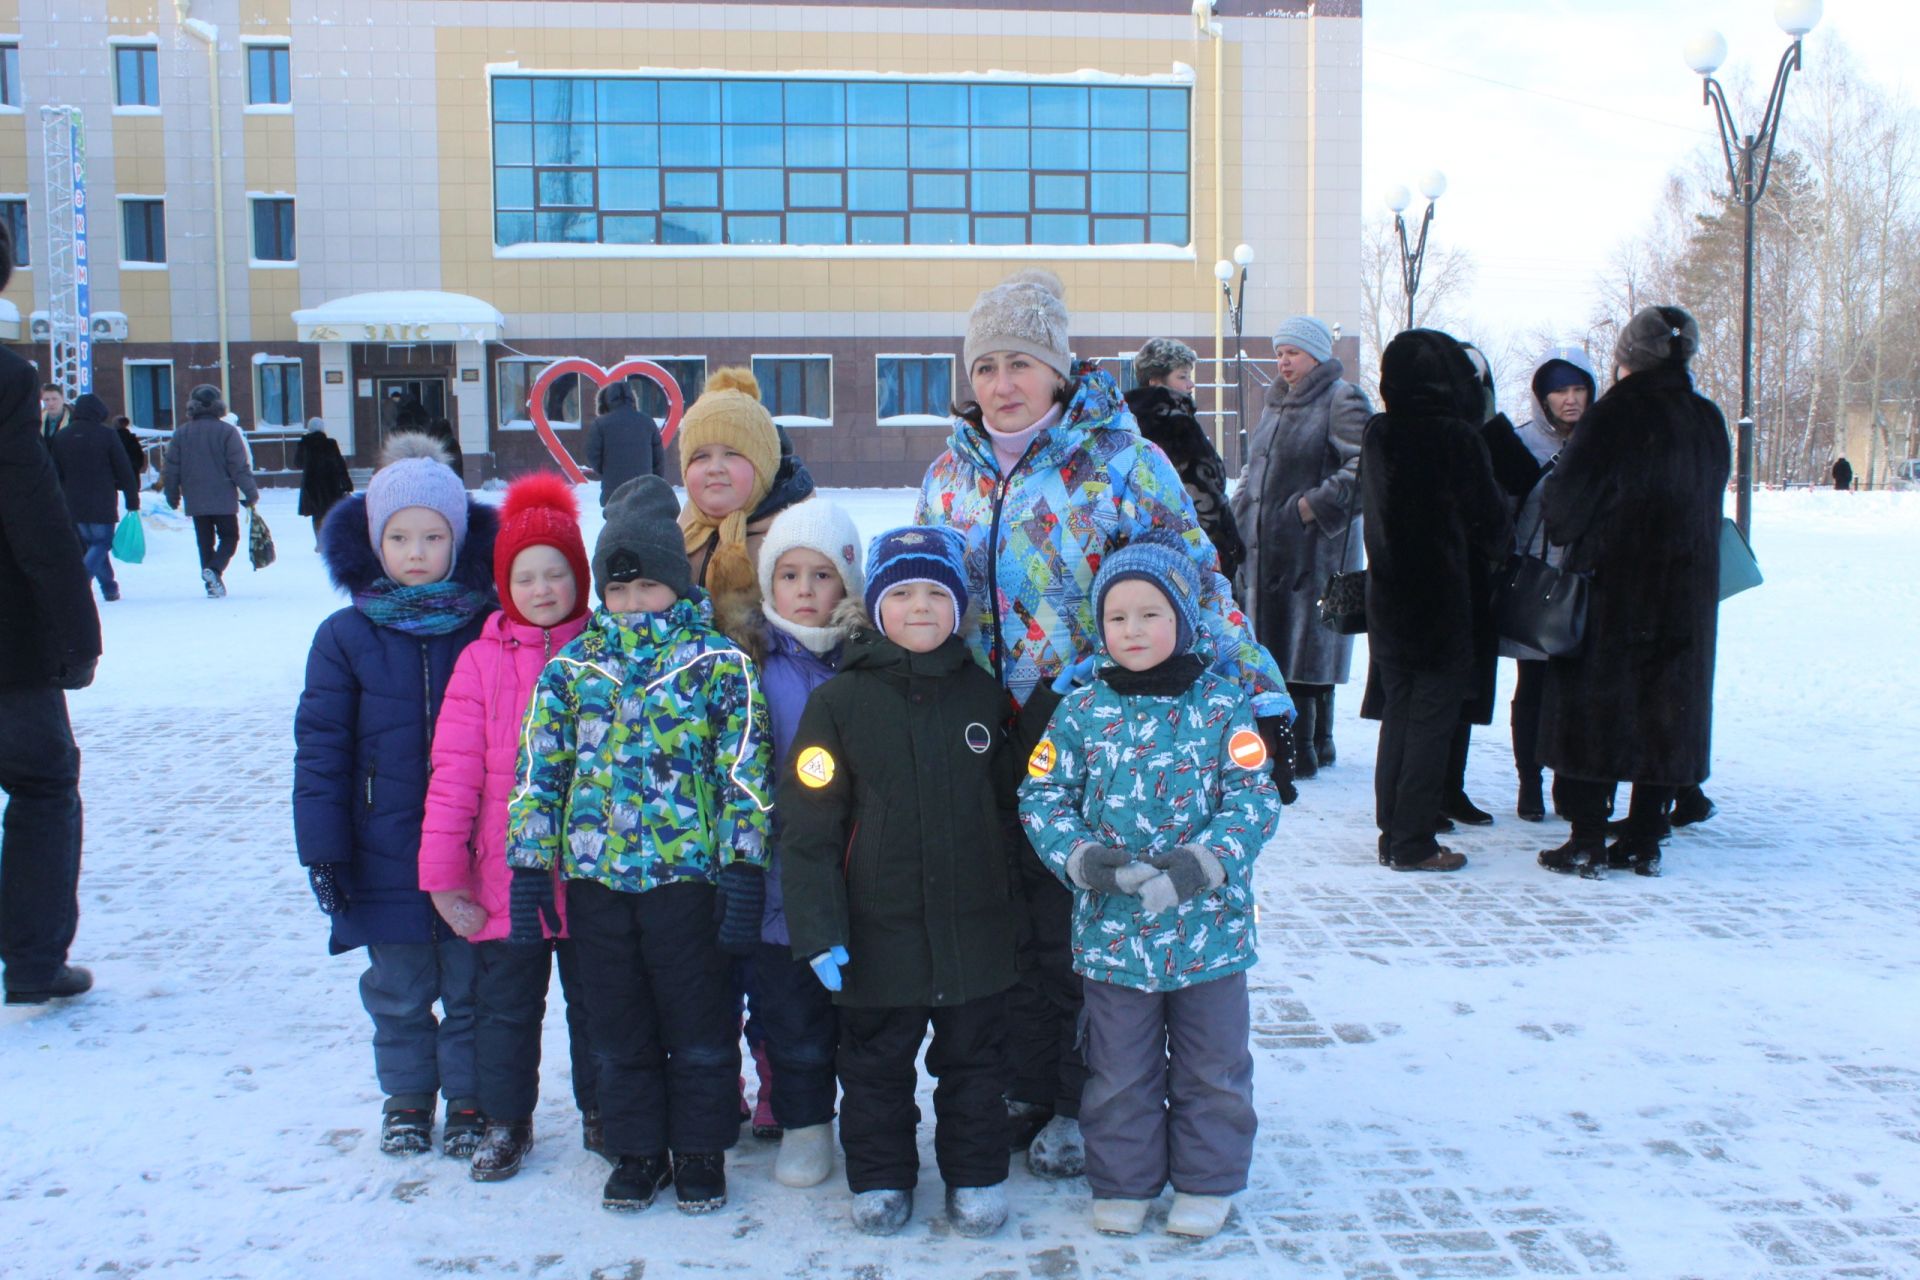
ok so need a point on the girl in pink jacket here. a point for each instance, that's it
(540, 567)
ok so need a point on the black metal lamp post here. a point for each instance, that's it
(1413, 255)
(1236, 312)
(1749, 162)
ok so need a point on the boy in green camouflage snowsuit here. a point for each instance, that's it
(643, 773)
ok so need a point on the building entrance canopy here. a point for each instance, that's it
(401, 316)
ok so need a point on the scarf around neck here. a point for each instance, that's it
(1168, 680)
(428, 609)
(819, 641)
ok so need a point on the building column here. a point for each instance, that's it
(470, 394)
(336, 392)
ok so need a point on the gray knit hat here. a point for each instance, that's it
(642, 538)
(1657, 336)
(415, 472)
(1306, 333)
(1160, 357)
(1026, 312)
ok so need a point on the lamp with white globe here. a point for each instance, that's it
(1433, 185)
(1749, 160)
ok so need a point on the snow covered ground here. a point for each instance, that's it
(1714, 1074)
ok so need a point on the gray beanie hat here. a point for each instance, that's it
(414, 472)
(1161, 356)
(1026, 312)
(1306, 333)
(1657, 336)
(642, 538)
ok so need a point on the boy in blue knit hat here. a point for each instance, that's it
(1150, 797)
(896, 877)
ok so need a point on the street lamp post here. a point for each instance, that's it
(1236, 311)
(1413, 256)
(1704, 54)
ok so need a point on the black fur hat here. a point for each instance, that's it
(1657, 336)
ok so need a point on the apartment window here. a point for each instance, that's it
(913, 391)
(513, 386)
(797, 390)
(268, 81)
(9, 75)
(832, 162)
(13, 211)
(150, 393)
(136, 78)
(143, 230)
(273, 229)
(689, 371)
(278, 399)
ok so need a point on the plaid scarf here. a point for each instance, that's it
(430, 609)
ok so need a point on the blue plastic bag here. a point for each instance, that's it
(130, 540)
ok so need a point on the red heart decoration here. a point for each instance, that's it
(600, 377)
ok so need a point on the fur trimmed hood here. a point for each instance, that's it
(353, 564)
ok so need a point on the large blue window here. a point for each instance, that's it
(761, 161)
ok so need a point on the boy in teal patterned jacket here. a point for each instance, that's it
(1150, 796)
(643, 773)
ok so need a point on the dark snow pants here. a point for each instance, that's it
(800, 1030)
(1410, 770)
(662, 1016)
(1588, 805)
(878, 1117)
(510, 990)
(40, 842)
(1171, 1094)
(1046, 1064)
(415, 1055)
(217, 537)
(1529, 692)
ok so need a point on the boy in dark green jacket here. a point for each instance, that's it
(896, 879)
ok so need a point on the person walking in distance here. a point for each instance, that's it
(208, 471)
(94, 472)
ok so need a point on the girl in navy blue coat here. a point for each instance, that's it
(416, 556)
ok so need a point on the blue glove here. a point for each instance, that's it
(1079, 673)
(739, 906)
(328, 890)
(530, 905)
(826, 966)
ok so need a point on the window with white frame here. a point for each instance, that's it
(797, 390)
(13, 212)
(150, 393)
(9, 74)
(268, 80)
(514, 377)
(136, 75)
(912, 390)
(273, 229)
(279, 393)
(143, 229)
(690, 372)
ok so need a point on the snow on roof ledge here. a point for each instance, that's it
(421, 315)
(1180, 73)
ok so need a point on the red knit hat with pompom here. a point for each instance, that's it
(540, 511)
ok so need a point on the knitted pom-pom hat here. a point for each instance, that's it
(415, 472)
(540, 511)
(1026, 312)
(728, 413)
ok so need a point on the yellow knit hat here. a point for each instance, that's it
(729, 413)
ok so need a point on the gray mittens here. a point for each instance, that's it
(1184, 873)
(1113, 871)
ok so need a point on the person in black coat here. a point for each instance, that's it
(1437, 522)
(441, 429)
(93, 471)
(324, 478)
(1842, 474)
(623, 442)
(49, 643)
(1163, 405)
(136, 452)
(1636, 499)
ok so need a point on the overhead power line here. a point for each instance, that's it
(1540, 93)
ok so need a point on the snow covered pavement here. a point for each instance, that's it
(1498, 1073)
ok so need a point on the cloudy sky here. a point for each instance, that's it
(1558, 121)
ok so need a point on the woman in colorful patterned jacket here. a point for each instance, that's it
(1045, 475)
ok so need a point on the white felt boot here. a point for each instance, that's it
(806, 1156)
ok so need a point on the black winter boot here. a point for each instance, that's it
(502, 1147)
(1691, 806)
(1532, 806)
(700, 1180)
(406, 1131)
(1584, 854)
(1637, 853)
(1464, 811)
(1306, 706)
(465, 1127)
(634, 1182)
(1323, 729)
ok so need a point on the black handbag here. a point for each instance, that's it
(1343, 601)
(1538, 605)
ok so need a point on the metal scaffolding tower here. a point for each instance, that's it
(64, 136)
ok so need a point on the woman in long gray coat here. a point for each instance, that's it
(1293, 505)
